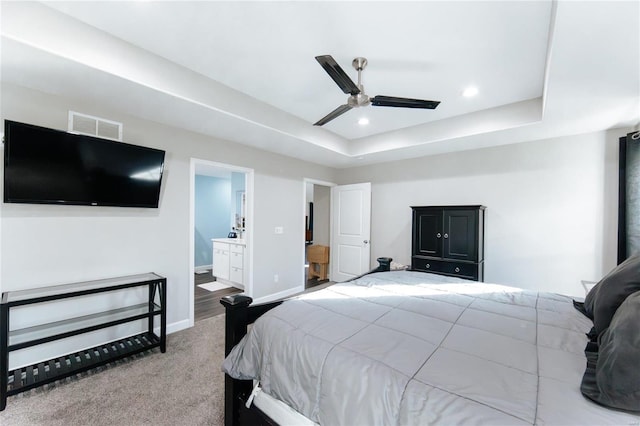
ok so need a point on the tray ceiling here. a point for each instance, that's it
(245, 71)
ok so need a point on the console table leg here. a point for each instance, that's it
(163, 316)
(4, 355)
(151, 302)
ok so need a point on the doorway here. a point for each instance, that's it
(221, 200)
(317, 211)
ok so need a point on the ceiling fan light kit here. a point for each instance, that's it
(357, 97)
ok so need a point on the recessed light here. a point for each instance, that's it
(363, 121)
(470, 92)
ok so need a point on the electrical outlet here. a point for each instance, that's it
(279, 230)
(276, 278)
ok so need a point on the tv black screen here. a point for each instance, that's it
(46, 166)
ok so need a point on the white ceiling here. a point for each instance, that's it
(245, 71)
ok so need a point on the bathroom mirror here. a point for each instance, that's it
(241, 206)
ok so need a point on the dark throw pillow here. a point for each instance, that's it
(604, 298)
(612, 377)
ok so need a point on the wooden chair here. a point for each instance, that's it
(318, 257)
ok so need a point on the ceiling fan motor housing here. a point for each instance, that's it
(358, 100)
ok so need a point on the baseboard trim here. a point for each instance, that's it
(175, 326)
(279, 295)
(203, 268)
(230, 283)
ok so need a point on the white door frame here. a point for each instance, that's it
(248, 236)
(306, 181)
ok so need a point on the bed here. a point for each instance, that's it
(404, 347)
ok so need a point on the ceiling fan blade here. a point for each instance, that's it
(392, 101)
(337, 74)
(333, 114)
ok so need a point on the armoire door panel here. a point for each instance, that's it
(429, 235)
(460, 235)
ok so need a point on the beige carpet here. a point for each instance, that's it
(183, 386)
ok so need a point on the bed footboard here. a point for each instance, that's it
(238, 315)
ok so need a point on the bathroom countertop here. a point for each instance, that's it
(239, 241)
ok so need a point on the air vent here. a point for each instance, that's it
(94, 126)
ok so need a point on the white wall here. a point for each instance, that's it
(214, 210)
(551, 217)
(44, 245)
(321, 213)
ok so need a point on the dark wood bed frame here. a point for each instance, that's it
(239, 313)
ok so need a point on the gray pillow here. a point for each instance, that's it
(604, 298)
(612, 377)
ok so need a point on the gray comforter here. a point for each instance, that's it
(415, 348)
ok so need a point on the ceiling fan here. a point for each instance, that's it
(357, 97)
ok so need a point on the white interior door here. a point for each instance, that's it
(351, 230)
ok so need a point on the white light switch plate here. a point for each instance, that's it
(279, 230)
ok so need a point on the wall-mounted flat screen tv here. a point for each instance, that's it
(46, 166)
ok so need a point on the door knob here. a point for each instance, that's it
(446, 235)
(438, 235)
(366, 241)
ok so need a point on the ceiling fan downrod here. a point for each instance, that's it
(361, 99)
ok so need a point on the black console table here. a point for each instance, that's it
(29, 377)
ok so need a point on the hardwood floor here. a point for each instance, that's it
(314, 282)
(207, 303)
(206, 277)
